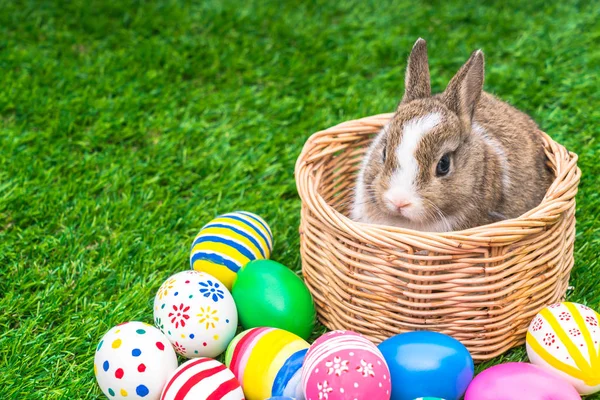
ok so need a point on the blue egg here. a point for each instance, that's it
(427, 364)
(281, 398)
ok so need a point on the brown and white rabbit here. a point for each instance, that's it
(451, 161)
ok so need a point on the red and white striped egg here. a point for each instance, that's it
(202, 379)
(565, 338)
(345, 365)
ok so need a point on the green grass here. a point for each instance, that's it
(125, 126)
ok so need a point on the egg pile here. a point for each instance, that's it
(197, 317)
(240, 322)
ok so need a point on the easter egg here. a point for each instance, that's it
(267, 362)
(565, 338)
(436, 364)
(345, 365)
(133, 360)
(197, 314)
(202, 379)
(519, 381)
(229, 242)
(268, 293)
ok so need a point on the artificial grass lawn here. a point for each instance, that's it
(125, 126)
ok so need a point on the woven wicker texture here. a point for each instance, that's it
(482, 285)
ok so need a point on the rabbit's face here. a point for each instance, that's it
(425, 169)
(419, 173)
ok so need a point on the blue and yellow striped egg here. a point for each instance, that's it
(229, 242)
(565, 338)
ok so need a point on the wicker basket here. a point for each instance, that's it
(482, 285)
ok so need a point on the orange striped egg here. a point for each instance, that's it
(202, 379)
(565, 338)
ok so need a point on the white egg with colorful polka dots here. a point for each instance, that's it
(197, 313)
(133, 361)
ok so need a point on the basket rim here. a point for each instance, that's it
(558, 198)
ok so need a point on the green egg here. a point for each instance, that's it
(269, 294)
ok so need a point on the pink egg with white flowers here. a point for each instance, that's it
(344, 365)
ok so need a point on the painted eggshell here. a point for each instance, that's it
(345, 365)
(133, 360)
(197, 313)
(565, 338)
(267, 362)
(281, 398)
(519, 381)
(268, 293)
(229, 242)
(202, 379)
(435, 364)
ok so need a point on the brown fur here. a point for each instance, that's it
(474, 192)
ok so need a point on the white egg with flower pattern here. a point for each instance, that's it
(565, 338)
(197, 313)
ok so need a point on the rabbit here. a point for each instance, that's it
(453, 160)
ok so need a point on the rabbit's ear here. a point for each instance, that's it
(416, 81)
(464, 90)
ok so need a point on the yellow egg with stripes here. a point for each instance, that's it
(229, 242)
(267, 362)
(565, 338)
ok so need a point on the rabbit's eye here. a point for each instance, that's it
(383, 154)
(443, 166)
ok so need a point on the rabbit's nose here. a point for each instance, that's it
(400, 204)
